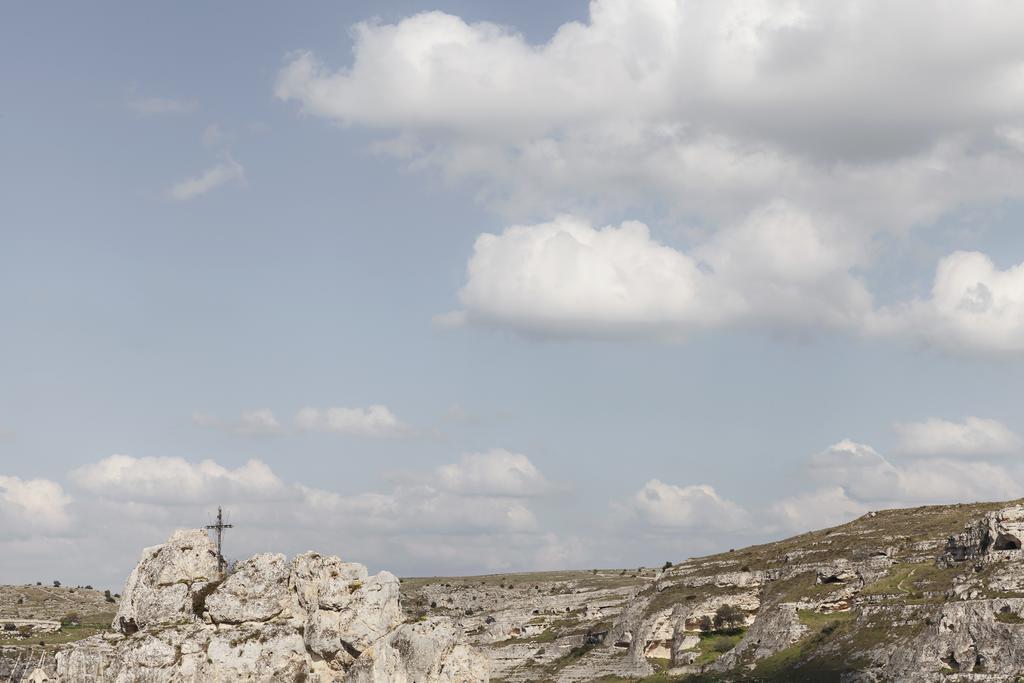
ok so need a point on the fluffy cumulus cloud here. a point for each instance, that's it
(823, 507)
(226, 172)
(32, 506)
(720, 112)
(176, 480)
(973, 306)
(494, 473)
(568, 278)
(853, 478)
(713, 104)
(973, 436)
(374, 421)
(662, 507)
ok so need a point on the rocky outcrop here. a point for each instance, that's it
(922, 595)
(983, 638)
(777, 629)
(315, 618)
(891, 596)
(257, 590)
(429, 650)
(168, 582)
(999, 531)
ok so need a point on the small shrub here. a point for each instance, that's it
(729, 616)
(56, 584)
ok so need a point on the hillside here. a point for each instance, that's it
(925, 594)
(931, 593)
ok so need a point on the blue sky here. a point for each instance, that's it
(229, 231)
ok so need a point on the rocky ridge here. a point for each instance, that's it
(926, 594)
(314, 618)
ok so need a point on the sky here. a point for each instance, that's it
(478, 287)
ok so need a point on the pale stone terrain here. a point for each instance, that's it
(926, 594)
(314, 618)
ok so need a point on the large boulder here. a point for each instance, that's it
(257, 590)
(345, 609)
(429, 650)
(168, 584)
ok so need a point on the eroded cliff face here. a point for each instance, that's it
(314, 618)
(927, 594)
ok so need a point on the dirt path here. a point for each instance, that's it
(899, 586)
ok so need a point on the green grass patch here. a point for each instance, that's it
(818, 621)
(1009, 618)
(716, 643)
(89, 625)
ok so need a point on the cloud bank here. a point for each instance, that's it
(792, 136)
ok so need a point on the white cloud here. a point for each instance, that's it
(228, 171)
(753, 120)
(374, 421)
(854, 478)
(494, 473)
(176, 480)
(816, 509)
(715, 107)
(29, 506)
(567, 278)
(413, 509)
(666, 507)
(973, 306)
(973, 436)
(397, 527)
(261, 422)
(149, 106)
(867, 476)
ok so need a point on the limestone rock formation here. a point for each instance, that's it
(907, 596)
(998, 531)
(170, 578)
(314, 619)
(257, 590)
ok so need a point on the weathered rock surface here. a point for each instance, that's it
(929, 594)
(921, 595)
(315, 618)
(257, 590)
(164, 586)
